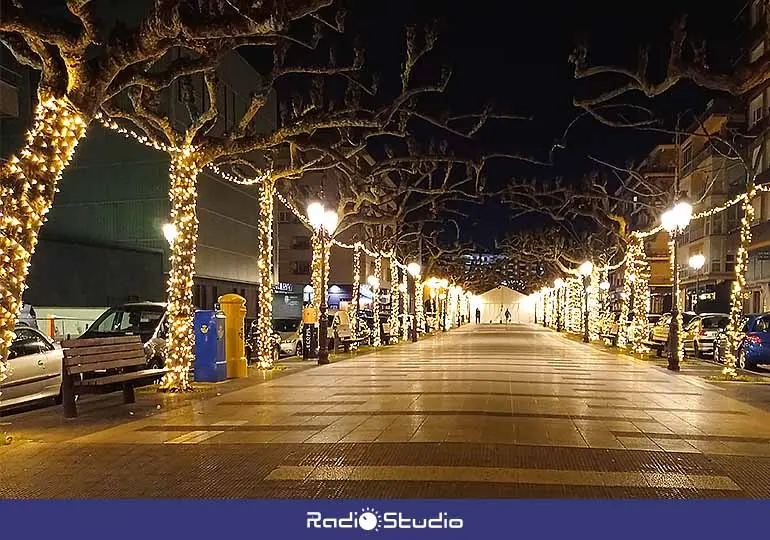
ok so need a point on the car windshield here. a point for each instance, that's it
(128, 320)
(714, 323)
(285, 325)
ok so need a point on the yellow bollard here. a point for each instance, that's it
(234, 308)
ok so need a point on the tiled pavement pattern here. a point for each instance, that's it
(483, 411)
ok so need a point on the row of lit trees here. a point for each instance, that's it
(122, 77)
(580, 303)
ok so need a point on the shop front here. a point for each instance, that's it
(287, 301)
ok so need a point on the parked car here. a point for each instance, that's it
(290, 334)
(754, 346)
(35, 363)
(698, 335)
(148, 320)
(658, 337)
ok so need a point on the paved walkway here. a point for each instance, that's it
(483, 411)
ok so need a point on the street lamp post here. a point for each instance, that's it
(675, 221)
(558, 284)
(696, 262)
(585, 270)
(414, 270)
(325, 222)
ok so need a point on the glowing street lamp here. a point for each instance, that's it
(169, 232)
(675, 221)
(324, 222)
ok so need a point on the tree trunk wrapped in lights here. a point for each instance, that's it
(737, 293)
(395, 300)
(419, 307)
(404, 311)
(355, 301)
(377, 341)
(183, 196)
(316, 268)
(638, 267)
(265, 343)
(27, 188)
(575, 305)
(594, 311)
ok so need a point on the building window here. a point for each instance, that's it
(730, 262)
(716, 265)
(757, 52)
(755, 110)
(300, 268)
(686, 155)
(300, 242)
(716, 223)
(284, 216)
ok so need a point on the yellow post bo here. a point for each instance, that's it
(234, 308)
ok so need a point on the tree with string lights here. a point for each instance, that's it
(689, 60)
(83, 62)
(335, 112)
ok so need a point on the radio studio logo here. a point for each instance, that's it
(370, 519)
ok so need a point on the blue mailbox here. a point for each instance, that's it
(210, 360)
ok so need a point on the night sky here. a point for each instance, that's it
(516, 54)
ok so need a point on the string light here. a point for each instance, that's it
(395, 299)
(739, 285)
(315, 265)
(356, 299)
(636, 279)
(404, 304)
(26, 195)
(419, 307)
(265, 342)
(376, 301)
(593, 305)
(183, 195)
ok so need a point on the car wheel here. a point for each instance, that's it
(743, 362)
(57, 400)
(298, 349)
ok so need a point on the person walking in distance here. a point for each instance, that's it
(478, 316)
(507, 316)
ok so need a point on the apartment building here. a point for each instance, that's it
(755, 44)
(103, 242)
(657, 171)
(709, 179)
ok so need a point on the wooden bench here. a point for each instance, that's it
(101, 366)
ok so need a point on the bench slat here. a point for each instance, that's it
(122, 377)
(76, 343)
(108, 357)
(85, 352)
(124, 362)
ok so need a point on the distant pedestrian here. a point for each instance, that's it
(507, 316)
(478, 316)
